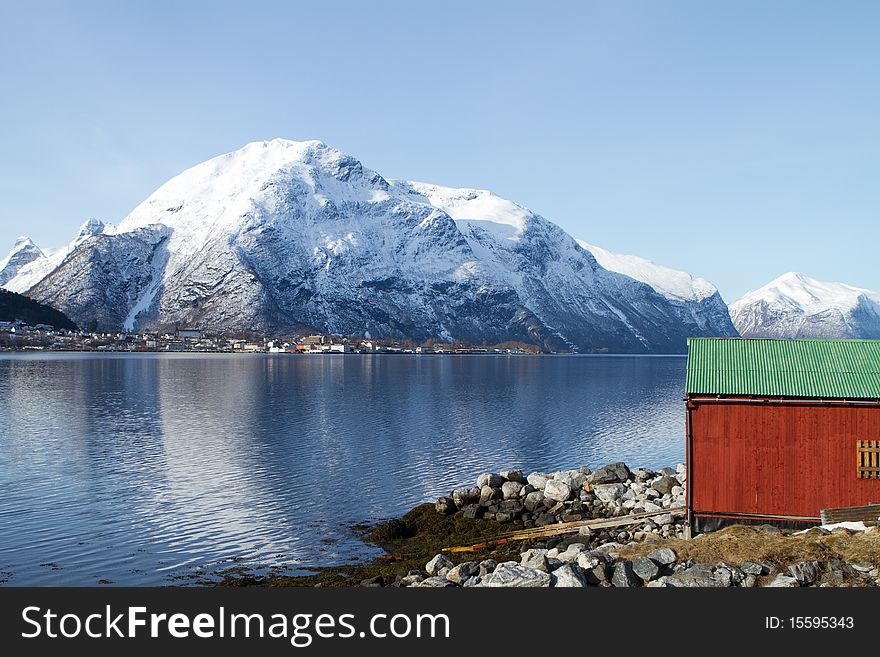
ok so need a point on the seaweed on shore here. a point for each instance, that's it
(409, 541)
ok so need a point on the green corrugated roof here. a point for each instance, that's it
(848, 369)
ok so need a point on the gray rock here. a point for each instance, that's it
(535, 558)
(473, 511)
(538, 480)
(444, 506)
(438, 562)
(533, 500)
(462, 496)
(512, 475)
(463, 571)
(568, 576)
(609, 492)
(490, 479)
(663, 485)
(487, 566)
(624, 576)
(572, 552)
(805, 572)
(510, 489)
(557, 490)
(699, 575)
(752, 568)
(668, 472)
(663, 556)
(487, 494)
(435, 582)
(545, 519)
(783, 581)
(512, 574)
(610, 474)
(750, 581)
(645, 568)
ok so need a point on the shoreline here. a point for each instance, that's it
(612, 527)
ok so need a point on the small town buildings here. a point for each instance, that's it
(778, 430)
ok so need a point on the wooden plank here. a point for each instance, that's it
(850, 514)
(567, 528)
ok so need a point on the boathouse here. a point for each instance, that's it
(778, 430)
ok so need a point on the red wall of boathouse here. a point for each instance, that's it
(776, 457)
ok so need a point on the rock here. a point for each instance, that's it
(535, 558)
(463, 496)
(664, 484)
(373, 582)
(750, 581)
(771, 529)
(512, 574)
(512, 475)
(533, 500)
(435, 582)
(572, 478)
(513, 506)
(510, 489)
(624, 576)
(471, 581)
(645, 568)
(444, 506)
(610, 474)
(463, 571)
(665, 519)
(663, 556)
(651, 507)
(699, 575)
(487, 566)
(609, 492)
(490, 479)
(556, 490)
(568, 576)
(752, 568)
(596, 575)
(410, 580)
(572, 552)
(487, 494)
(545, 519)
(783, 581)
(538, 480)
(473, 511)
(668, 472)
(438, 562)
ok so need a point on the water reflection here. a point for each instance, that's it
(131, 468)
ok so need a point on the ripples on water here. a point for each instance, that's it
(134, 468)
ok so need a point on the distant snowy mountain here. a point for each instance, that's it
(798, 306)
(22, 254)
(282, 235)
(695, 300)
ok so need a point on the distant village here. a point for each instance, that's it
(20, 336)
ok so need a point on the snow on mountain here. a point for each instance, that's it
(22, 254)
(798, 306)
(283, 235)
(671, 283)
(47, 261)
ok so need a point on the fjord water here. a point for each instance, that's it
(141, 468)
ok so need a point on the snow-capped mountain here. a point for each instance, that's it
(798, 306)
(695, 300)
(283, 235)
(22, 254)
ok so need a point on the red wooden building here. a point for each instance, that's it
(778, 430)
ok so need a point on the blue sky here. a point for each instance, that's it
(736, 140)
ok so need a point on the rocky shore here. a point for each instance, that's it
(504, 531)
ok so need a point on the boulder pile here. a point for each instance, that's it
(541, 499)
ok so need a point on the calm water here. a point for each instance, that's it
(139, 468)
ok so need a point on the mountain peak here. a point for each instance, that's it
(796, 305)
(91, 227)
